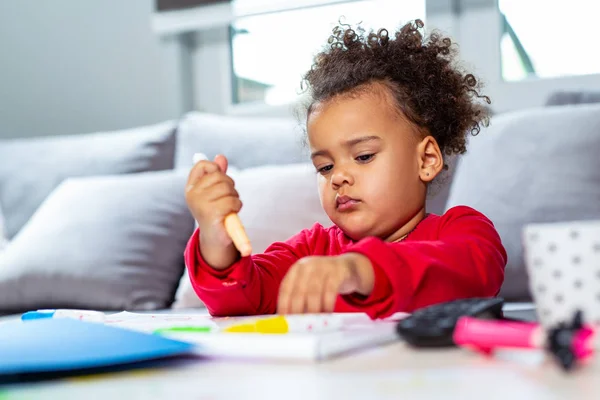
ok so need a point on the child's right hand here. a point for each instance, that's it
(211, 196)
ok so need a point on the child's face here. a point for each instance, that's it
(372, 165)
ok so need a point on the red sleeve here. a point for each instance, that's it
(251, 285)
(467, 260)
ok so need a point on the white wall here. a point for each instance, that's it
(73, 66)
(211, 66)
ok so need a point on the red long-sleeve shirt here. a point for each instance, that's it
(456, 255)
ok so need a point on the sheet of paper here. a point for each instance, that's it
(151, 322)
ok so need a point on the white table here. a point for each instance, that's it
(390, 372)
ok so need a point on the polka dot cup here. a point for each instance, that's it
(563, 262)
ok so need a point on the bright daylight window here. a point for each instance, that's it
(271, 52)
(547, 39)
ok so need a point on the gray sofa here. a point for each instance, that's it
(98, 220)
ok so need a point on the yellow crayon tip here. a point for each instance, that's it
(272, 325)
(241, 328)
(268, 325)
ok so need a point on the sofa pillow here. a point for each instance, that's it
(246, 141)
(562, 98)
(106, 242)
(32, 168)
(278, 202)
(3, 238)
(537, 165)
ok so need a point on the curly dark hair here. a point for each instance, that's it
(428, 85)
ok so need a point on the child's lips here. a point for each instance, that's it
(345, 203)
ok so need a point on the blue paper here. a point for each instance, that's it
(53, 345)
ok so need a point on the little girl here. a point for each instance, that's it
(384, 114)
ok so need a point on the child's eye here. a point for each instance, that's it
(365, 157)
(325, 169)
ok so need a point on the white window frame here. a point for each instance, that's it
(472, 24)
(479, 22)
(203, 18)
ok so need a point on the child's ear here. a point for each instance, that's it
(431, 161)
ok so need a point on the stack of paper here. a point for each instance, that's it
(351, 332)
(152, 322)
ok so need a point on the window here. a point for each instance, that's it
(546, 39)
(271, 52)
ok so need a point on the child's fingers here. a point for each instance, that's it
(312, 285)
(314, 294)
(222, 162)
(220, 190)
(213, 212)
(347, 284)
(226, 206)
(208, 181)
(200, 169)
(315, 284)
(330, 292)
(305, 278)
(211, 179)
(285, 291)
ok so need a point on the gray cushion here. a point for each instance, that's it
(3, 238)
(538, 165)
(32, 168)
(572, 97)
(112, 242)
(246, 141)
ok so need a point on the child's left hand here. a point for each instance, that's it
(313, 283)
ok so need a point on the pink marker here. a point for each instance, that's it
(488, 335)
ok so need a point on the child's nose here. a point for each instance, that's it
(341, 176)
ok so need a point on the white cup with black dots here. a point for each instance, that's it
(563, 263)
